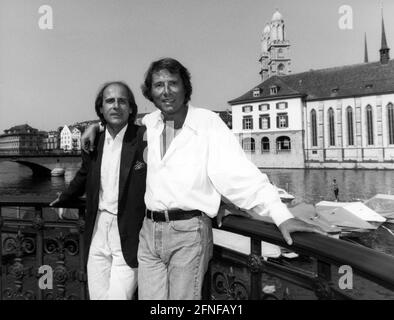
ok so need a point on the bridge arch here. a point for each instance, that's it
(38, 170)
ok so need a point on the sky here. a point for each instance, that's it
(49, 78)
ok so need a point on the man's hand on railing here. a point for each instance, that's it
(60, 211)
(295, 225)
(87, 138)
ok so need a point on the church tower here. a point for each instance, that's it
(275, 49)
(384, 50)
(264, 57)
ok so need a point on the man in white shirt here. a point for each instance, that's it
(193, 159)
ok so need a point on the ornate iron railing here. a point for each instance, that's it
(41, 257)
(326, 268)
(38, 238)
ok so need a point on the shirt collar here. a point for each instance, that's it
(190, 120)
(120, 134)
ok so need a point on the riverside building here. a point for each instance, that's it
(339, 117)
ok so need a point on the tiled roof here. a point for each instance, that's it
(332, 83)
(21, 128)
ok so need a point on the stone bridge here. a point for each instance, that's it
(43, 164)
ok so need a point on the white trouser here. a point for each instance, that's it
(109, 276)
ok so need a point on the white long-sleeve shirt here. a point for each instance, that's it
(203, 162)
(110, 167)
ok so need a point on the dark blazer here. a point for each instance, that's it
(132, 179)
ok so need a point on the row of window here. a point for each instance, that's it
(265, 107)
(350, 128)
(283, 143)
(282, 121)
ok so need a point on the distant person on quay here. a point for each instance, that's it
(335, 188)
(193, 159)
(113, 177)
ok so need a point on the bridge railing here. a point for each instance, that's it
(41, 256)
(38, 153)
(325, 268)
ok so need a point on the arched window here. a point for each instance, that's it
(265, 144)
(283, 144)
(390, 120)
(248, 145)
(350, 131)
(314, 128)
(331, 127)
(369, 125)
(281, 68)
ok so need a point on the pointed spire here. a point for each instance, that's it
(384, 41)
(384, 50)
(365, 48)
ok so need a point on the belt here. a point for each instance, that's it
(170, 215)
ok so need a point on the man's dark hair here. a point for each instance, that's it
(130, 98)
(172, 66)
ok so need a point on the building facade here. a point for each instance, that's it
(21, 139)
(75, 139)
(338, 117)
(51, 141)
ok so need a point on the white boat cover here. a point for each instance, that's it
(358, 209)
(341, 216)
(382, 204)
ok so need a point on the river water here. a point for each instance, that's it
(309, 186)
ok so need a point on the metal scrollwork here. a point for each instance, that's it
(71, 247)
(227, 285)
(19, 271)
(29, 245)
(61, 244)
(60, 274)
(254, 263)
(323, 290)
(50, 245)
(38, 223)
(9, 294)
(9, 244)
(19, 244)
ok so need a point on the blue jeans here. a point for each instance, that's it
(173, 258)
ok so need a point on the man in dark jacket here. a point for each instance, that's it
(113, 177)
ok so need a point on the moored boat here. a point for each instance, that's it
(57, 172)
(284, 195)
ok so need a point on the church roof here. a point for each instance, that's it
(332, 83)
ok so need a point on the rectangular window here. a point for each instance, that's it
(264, 107)
(282, 120)
(247, 123)
(247, 109)
(281, 105)
(256, 92)
(264, 122)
